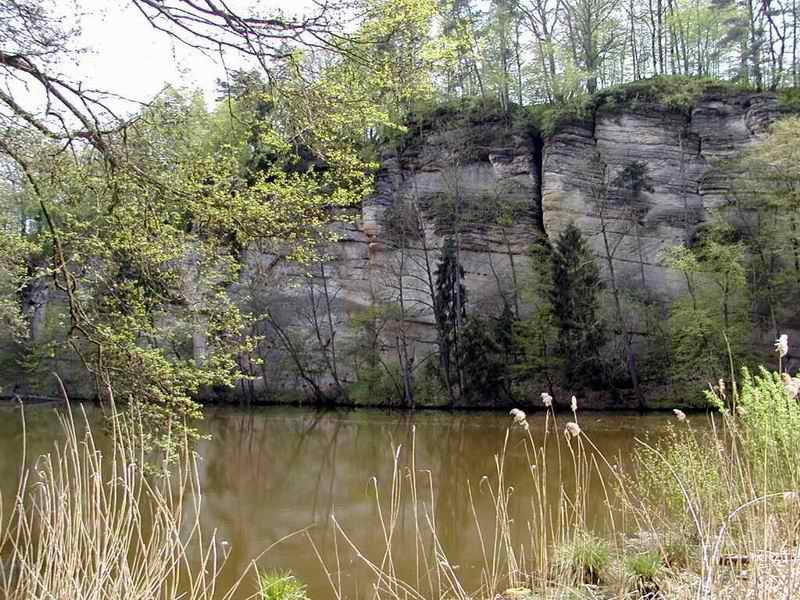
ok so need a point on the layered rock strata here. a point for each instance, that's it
(636, 178)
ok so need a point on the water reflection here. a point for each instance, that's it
(268, 473)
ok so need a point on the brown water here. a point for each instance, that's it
(267, 473)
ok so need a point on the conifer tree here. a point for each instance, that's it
(449, 308)
(575, 305)
(482, 361)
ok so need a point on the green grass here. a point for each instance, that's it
(674, 92)
(644, 570)
(587, 557)
(646, 565)
(281, 586)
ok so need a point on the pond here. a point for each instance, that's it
(267, 473)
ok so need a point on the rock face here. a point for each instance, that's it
(649, 177)
(636, 179)
(478, 183)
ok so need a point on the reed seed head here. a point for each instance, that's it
(520, 418)
(547, 400)
(572, 429)
(791, 385)
(782, 345)
(574, 404)
(680, 414)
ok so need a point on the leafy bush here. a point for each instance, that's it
(549, 118)
(768, 425)
(789, 99)
(690, 484)
(450, 114)
(376, 383)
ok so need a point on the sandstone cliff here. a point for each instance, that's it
(636, 177)
(648, 175)
(663, 170)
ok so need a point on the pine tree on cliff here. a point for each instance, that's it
(450, 311)
(574, 298)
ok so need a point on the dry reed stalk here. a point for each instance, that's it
(94, 524)
(511, 556)
(525, 558)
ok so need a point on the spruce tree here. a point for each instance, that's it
(482, 361)
(575, 304)
(449, 307)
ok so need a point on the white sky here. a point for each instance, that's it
(128, 57)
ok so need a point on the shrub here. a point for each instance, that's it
(549, 118)
(720, 491)
(768, 422)
(675, 92)
(377, 383)
(789, 99)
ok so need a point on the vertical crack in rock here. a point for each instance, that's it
(538, 165)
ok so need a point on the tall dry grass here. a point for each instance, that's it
(554, 544)
(92, 523)
(709, 512)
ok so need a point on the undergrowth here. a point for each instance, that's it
(677, 93)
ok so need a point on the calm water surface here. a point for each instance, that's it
(269, 472)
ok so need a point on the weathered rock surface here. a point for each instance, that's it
(661, 170)
(635, 179)
(479, 183)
